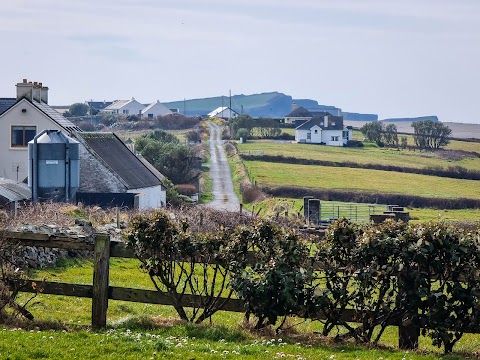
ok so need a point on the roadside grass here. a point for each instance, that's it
(365, 155)
(206, 181)
(136, 330)
(326, 177)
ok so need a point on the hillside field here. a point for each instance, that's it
(362, 180)
(367, 155)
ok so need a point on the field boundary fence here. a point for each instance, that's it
(101, 292)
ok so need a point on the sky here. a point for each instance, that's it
(393, 58)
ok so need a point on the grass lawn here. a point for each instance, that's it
(325, 177)
(138, 331)
(365, 155)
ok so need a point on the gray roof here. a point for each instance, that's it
(115, 154)
(319, 121)
(56, 117)
(300, 112)
(11, 190)
(6, 103)
(117, 104)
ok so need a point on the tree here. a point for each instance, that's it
(78, 109)
(430, 135)
(242, 133)
(390, 135)
(404, 142)
(176, 161)
(243, 122)
(373, 131)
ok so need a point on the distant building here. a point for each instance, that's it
(124, 107)
(155, 109)
(223, 112)
(97, 106)
(324, 129)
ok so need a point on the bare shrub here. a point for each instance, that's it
(251, 193)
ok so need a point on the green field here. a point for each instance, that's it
(138, 331)
(272, 206)
(325, 177)
(365, 155)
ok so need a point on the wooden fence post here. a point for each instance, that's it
(100, 280)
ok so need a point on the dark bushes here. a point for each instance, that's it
(386, 274)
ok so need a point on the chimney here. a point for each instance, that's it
(44, 94)
(294, 106)
(325, 121)
(24, 90)
(37, 92)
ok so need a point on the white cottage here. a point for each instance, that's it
(326, 129)
(155, 109)
(125, 107)
(223, 112)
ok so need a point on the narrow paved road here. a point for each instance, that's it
(224, 195)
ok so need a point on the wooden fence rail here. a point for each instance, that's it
(100, 292)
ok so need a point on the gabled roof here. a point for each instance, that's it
(319, 121)
(108, 148)
(300, 112)
(219, 110)
(118, 104)
(56, 116)
(157, 106)
(6, 103)
(99, 105)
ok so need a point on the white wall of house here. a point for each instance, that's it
(316, 134)
(328, 137)
(14, 159)
(132, 108)
(151, 197)
(301, 135)
(332, 137)
(158, 109)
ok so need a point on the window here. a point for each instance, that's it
(334, 138)
(21, 135)
(125, 112)
(309, 135)
(316, 131)
(345, 134)
(150, 116)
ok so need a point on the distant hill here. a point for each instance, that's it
(268, 105)
(359, 117)
(421, 118)
(273, 104)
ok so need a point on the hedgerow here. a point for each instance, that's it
(386, 274)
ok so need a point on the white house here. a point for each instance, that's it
(223, 112)
(155, 109)
(21, 118)
(326, 129)
(125, 107)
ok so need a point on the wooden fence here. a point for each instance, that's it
(101, 291)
